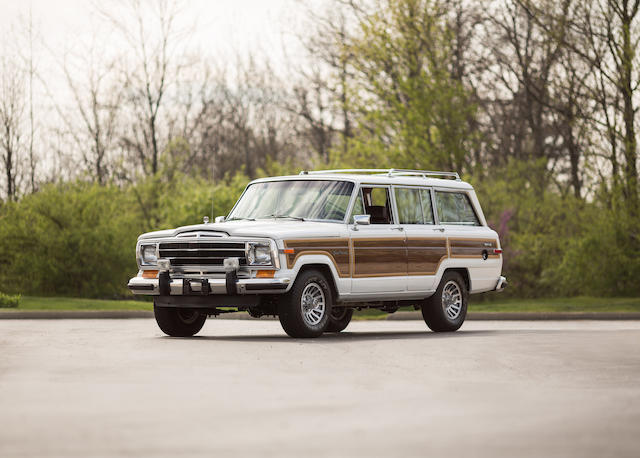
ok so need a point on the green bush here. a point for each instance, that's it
(78, 239)
(8, 301)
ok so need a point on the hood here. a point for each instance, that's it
(275, 229)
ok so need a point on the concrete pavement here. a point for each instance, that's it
(386, 388)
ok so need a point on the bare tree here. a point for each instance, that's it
(12, 110)
(151, 33)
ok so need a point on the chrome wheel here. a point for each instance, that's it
(313, 304)
(452, 299)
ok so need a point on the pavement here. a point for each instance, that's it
(109, 387)
(15, 314)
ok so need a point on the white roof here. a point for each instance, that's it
(378, 178)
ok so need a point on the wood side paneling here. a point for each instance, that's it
(389, 256)
(379, 257)
(336, 249)
(425, 254)
(472, 248)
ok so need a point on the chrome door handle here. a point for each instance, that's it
(441, 229)
(398, 228)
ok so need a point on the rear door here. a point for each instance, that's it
(378, 250)
(426, 241)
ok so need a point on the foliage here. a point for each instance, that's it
(79, 238)
(559, 245)
(414, 113)
(9, 301)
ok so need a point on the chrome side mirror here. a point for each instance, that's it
(361, 220)
(219, 219)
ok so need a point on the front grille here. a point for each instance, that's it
(205, 254)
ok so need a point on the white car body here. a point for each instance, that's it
(365, 261)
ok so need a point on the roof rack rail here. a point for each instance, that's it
(388, 172)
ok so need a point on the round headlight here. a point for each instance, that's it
(148, 253)
(259, 254)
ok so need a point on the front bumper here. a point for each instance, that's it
(198, 287)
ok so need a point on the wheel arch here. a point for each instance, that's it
(462, 271)
(326, 271)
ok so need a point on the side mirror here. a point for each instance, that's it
(219, 219)
(362, 220)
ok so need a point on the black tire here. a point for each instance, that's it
(178, 322)
(291, 308)
(434, 308)
(339, 319)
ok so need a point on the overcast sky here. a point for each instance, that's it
(223, 26)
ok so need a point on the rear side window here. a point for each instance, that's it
(427, 210)
(409, 208)
(414, 206)
(455, 208)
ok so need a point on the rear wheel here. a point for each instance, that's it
(304, 311)
(339, 319)
(178, 322)
(446, 310)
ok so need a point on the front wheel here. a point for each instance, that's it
(178, 322)
(446, 310)
(304, 311)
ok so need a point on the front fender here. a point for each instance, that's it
(343, 284)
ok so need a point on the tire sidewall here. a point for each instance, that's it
(433, 309)
(291, 314)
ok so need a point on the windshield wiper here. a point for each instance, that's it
(236, 218)
(298, 218)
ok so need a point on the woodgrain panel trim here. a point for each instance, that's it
(336, 249)
(379, 257)
(469, 248)
(425, 254)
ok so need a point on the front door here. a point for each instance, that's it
(378, 250)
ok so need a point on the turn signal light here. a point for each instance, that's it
(265, 273)
(288, 251)
(149, 273)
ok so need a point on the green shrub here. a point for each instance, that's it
(8, 301)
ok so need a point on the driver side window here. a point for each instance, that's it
(375, 202)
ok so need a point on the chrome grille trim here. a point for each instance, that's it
(199, 255)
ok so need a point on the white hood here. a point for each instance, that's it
(274, 229)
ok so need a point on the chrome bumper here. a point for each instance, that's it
(151, 286)
(502, 283)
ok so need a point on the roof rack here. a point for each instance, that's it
(388, 172)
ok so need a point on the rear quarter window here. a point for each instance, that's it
(455, 208)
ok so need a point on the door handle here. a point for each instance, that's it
(398, 228)
(440, 229)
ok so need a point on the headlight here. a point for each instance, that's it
(148, 254)
(259, 254)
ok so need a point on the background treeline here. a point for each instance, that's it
(535, 103)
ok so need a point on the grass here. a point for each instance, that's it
(74, 303)
(574, 304)
(546, 305)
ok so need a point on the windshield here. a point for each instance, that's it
(297, 199)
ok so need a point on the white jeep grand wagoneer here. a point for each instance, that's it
(313, 247)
